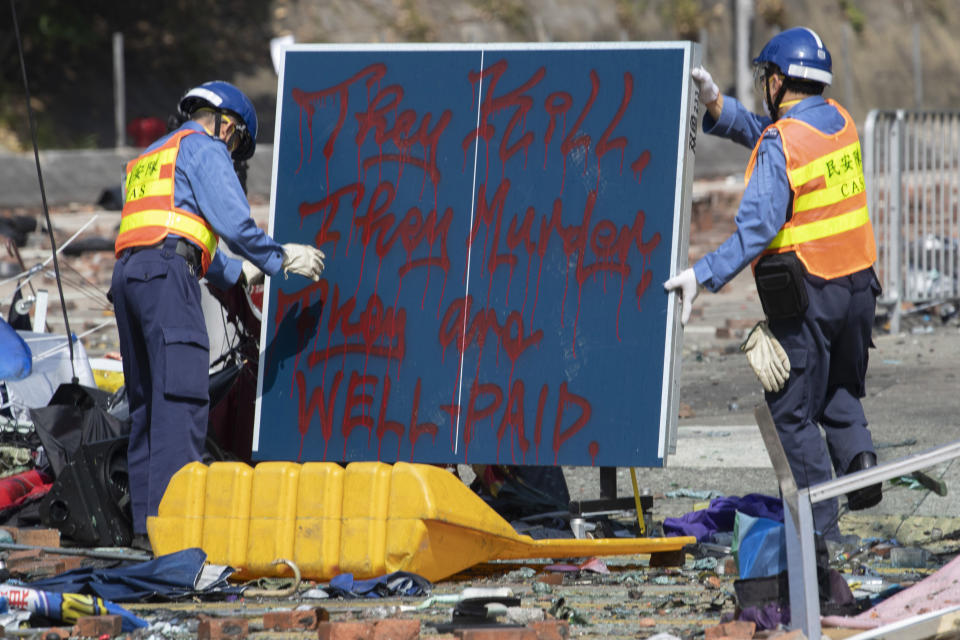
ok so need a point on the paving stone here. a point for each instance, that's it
(736, 630)
(504, 633)
(396, 629)
(291, 619)
(551, 629)
(345, 631)
(217, 628)
(98, 626)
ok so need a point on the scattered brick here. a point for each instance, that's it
(97, 626)
(291, 619)
(60, 632)
(550, 629)
(796, 634)
(503, 633)
(668, 558)
(34, 562)
(69, 562)
(551, 578)
(21, 555)
(730, 566)
(646, 622)
(217, 628)
(345, 631)
(736, 630)
(38, 537)
(396, 629)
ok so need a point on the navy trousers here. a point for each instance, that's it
(827, 348)
(165, 349)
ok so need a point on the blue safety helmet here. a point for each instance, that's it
(798, 53)
(223, 96)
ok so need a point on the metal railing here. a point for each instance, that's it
(798, 516)
(912, 169)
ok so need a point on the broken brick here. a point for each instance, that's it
(796, 634)
(550, 629)
(502, 633)
(96, 626)
(60, 632)
(730, 566)
(291, 619)
(736, 630)
(668, 558)
(396, 629)
(38, 537)
(217, 628)
(69, 562)
(551, 578)
(34, 562)
(345, 631)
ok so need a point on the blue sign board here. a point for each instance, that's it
(498, 221)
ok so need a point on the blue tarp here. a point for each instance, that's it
(762, 548)
(15, 356)
(172, 576)
(398, 583)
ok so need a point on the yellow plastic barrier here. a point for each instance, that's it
(368, 519)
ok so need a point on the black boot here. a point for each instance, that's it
(868, 496)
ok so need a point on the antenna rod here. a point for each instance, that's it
(43, 193)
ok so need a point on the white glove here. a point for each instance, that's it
(302, 260)
(686, 282)
(708, 88)
(251, 273)
(766, 357)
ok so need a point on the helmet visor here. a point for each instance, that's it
(761, 71)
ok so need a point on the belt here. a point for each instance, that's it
(183, 248)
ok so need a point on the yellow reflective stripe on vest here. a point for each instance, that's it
(175, 222)
(158, 187)
(820, 229)
(830, 195)
(835, 167)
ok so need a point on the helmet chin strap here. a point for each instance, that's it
(773, 104)
(216, 124)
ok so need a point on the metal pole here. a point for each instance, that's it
(802, 567)
(897, 236)
(119, 90)
(744, 77)
(917, 66)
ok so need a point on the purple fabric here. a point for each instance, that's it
(770, 616)
(719, 516)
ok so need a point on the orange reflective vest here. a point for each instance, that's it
(829, 228)
(149, 214)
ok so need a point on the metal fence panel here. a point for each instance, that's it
(911, 165)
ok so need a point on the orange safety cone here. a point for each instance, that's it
(369, 519)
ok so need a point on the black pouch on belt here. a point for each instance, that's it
(780, 285)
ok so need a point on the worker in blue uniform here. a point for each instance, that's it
(182, 196)
(804, 224)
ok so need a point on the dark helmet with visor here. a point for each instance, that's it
(223, 97)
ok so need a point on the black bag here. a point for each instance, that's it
(780, 285)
